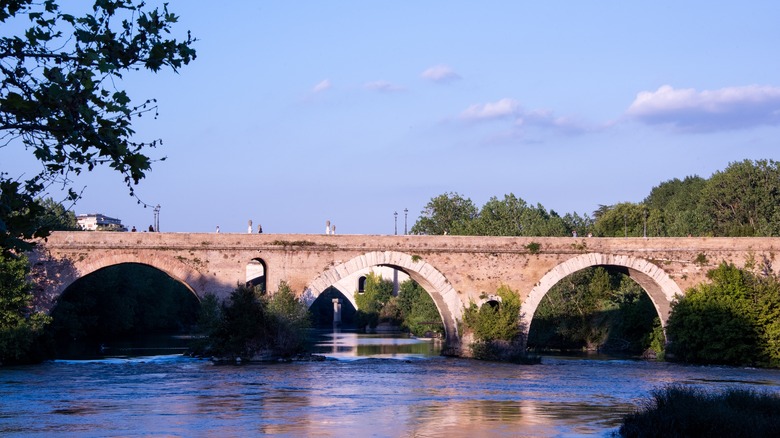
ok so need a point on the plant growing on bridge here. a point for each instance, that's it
(496, 329)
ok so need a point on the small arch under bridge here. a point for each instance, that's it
(454, 270)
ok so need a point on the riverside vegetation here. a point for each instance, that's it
(678, 410)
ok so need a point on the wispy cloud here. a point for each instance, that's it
(322, 86)
(383, 86)
(503, 108)
(708, 110)
(440, 74)
(510, 109)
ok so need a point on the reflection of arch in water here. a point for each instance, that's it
(441, 291)
(661, 289)
(256, 273)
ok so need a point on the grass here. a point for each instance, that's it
(680, 411)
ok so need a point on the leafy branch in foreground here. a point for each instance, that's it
(59, 96)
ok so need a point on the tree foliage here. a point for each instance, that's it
(594, 309)
(495, 322)
(449, 213)
(377, 293)
(254, 324)
(418, 311)
(21, 327)
(731, 320)
(59, 96)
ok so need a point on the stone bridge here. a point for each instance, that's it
(454, 270)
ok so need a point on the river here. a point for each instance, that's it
(370, 386)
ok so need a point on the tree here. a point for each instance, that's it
(377, 292)
(20, 325)
(59, 98)
(418, 311)
(744, 199)
(716, 323)
(449, 213)
(55, 217)
(512, 216)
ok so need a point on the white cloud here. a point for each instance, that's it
(440, 74)
(383, 86)
(708, 110)
(322, 86)
(493, 110)
(511, 109)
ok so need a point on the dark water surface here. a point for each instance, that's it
(365, 389)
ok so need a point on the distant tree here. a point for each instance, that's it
(744, 199)
(619, 220)
(59, 96)
(55, 217)
(377, 292)
(674, 208)
(449, 213)
(418, 311)
(512, 216)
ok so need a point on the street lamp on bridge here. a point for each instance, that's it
(157, 218)
(395, 217)
(406, 212)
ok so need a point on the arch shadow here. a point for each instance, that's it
(438, 287)
(174, 268)
(661, 289)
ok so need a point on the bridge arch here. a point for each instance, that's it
(171, 266)
(438, 287)
(661, 289)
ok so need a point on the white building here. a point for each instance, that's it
(99, 222)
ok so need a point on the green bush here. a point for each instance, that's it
(733, 320)
(251, 323)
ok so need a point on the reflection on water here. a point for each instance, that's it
(366, 395)
(351, 345)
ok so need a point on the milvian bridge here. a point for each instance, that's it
(455, 270)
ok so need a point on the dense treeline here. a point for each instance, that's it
(742, 200)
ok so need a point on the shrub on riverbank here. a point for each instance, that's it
(252, 325)
(733, 320)
(684, 411)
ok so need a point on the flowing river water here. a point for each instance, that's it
(370, 386)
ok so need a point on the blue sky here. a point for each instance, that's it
(295, 113)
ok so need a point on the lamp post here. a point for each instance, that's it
(157, 218)
(406, 212)
(395, 217)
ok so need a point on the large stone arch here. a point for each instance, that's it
(657, 283)
(437, 286)
(177, 270)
